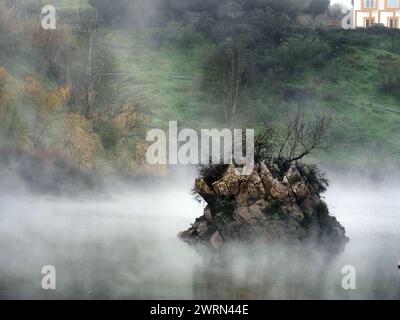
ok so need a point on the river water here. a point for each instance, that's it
(124, 246)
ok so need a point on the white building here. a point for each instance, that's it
(370, 12)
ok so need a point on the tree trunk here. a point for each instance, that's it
(89, 76)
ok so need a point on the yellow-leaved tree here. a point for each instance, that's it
(122, 128)
(80, 142)
(44, 103)
(5, 91)
(132, 123)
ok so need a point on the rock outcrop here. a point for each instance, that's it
(269, 205)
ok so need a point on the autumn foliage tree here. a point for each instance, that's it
(121, 124)
(54, 51)
(80, 142)
(5, 92)
(69, 104)
(44, 104)
(12, 128)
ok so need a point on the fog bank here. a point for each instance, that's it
(125, 246)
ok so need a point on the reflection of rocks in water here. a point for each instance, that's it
(271, 205)
(239, 273)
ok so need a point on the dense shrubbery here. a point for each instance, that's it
(182, 36)
(391, 80)
(300, 52)
(268, 28)
(254, 41)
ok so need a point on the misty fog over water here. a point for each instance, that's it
(125, 246)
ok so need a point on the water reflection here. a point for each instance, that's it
(125, 247)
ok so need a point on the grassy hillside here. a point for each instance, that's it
(349, 89)
(168, 79)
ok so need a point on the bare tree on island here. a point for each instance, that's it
(299, 138)
(280, 202)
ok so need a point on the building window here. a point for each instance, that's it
(393, 23)
(369, 22)
(369, 4)
(393, 4)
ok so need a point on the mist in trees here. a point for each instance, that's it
(67, 102)
(244, 51)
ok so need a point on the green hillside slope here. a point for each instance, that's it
(365, 122)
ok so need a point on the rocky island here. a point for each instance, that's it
(271, 205)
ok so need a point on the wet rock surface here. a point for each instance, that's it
(271, 205)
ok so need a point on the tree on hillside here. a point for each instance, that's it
(5, 92)
(11, 126)
(80, 142)
(79, 63)
(97, 62)
(44, 103)
(227, 76)
(53, 50)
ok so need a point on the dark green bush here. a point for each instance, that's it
(182, 36)
(109, 135)
(391, 80)
(299, 53)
